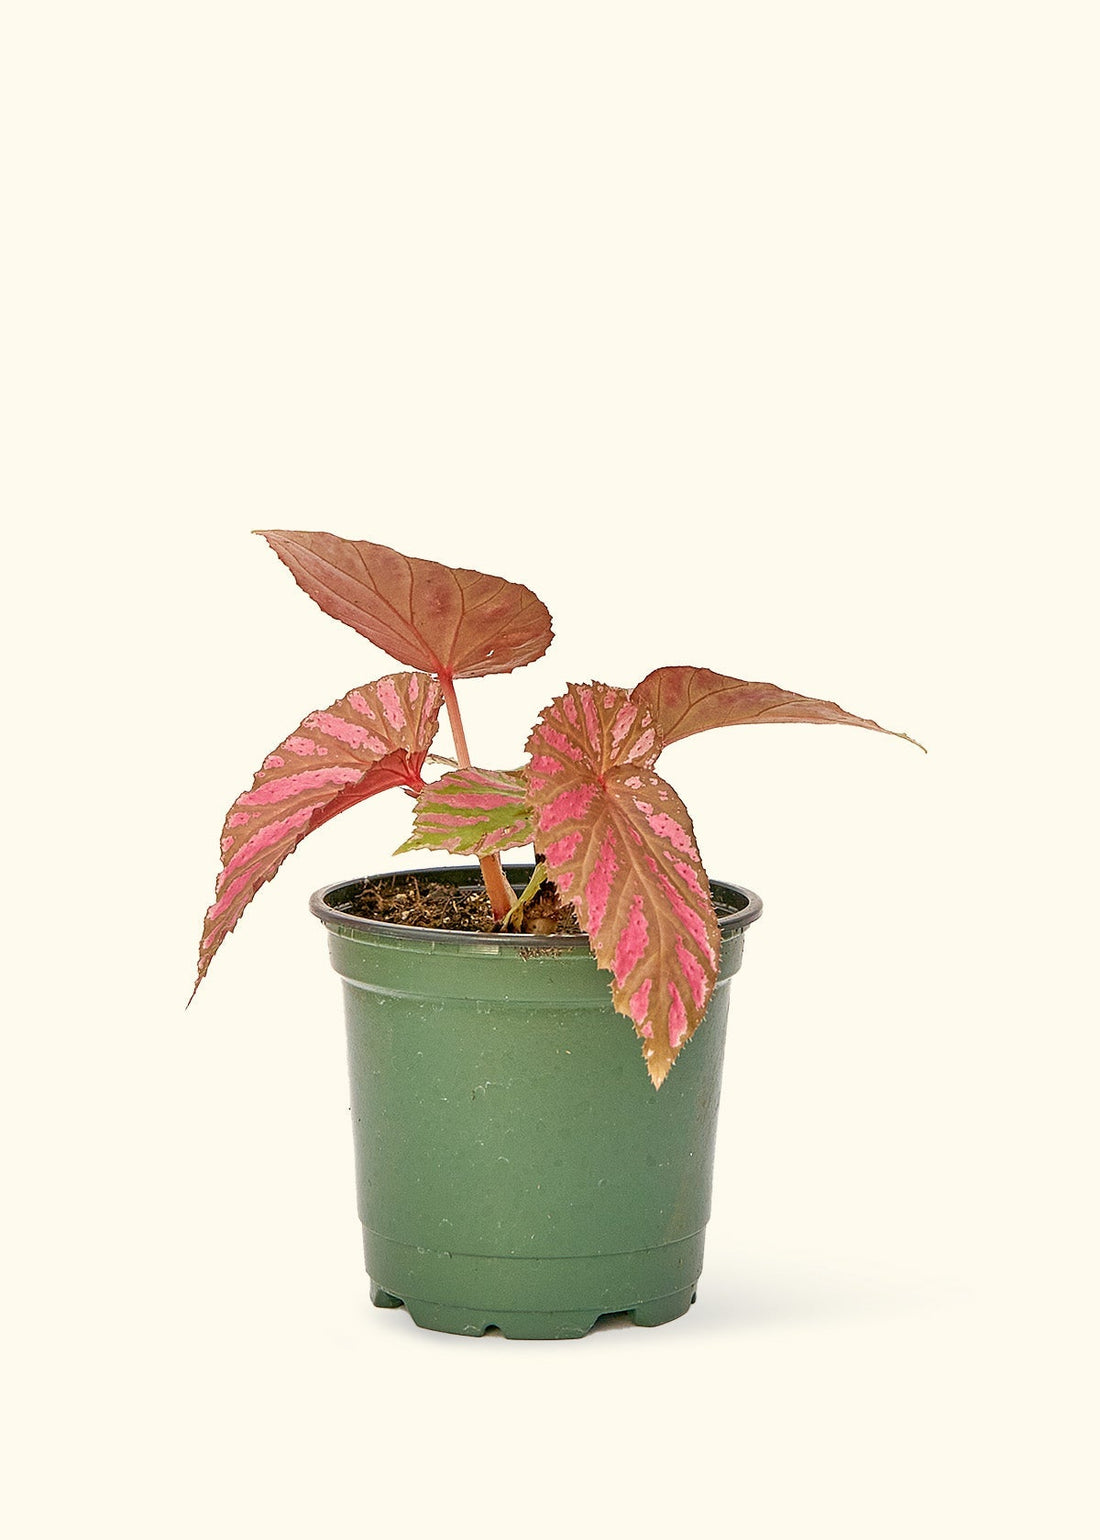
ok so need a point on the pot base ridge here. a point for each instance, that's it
(530, 1325)
(533, 1297)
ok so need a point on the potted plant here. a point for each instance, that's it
(517, 1166)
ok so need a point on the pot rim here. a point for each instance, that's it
(738, 916)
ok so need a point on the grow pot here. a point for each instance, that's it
(515, 1168)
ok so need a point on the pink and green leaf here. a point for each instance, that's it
(684, 700)
(473, 813)
(620, 846)
(449, 621)
(369, 740)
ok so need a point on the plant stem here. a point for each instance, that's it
(496, 884)
(458, 732)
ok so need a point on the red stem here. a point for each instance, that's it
(458, 732)
(500, 893)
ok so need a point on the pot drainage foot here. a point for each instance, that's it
(519, 1325)
(384, 1301)
(656, 1312)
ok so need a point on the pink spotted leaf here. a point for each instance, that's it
(685, 700)
(449, 621)
(619, 844)
(473, 813)
(369, 740)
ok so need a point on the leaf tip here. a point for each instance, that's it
(658, 1073)
(273, 537)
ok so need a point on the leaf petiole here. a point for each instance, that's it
(497, 886)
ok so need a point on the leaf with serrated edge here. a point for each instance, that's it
(684, 700)
(449, 621)
(370, 739)
(620, 846)
(472, 813)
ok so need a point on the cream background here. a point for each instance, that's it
(760, 337)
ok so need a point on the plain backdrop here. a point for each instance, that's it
(759, 337)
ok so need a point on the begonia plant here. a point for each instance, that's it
(608, 831)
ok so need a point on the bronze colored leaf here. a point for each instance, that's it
(450, 621)
(685, 700)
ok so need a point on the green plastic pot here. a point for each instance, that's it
(515, 1168)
